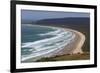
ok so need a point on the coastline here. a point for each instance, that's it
(77, 43)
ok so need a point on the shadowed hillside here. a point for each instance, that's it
(65, 21)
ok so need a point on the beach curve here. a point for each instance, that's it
(73, 47)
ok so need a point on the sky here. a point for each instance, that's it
(35, 15)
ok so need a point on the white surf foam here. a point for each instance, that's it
(61, 39)
(43, 41)
(51, 33)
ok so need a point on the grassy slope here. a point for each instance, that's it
(84, 56)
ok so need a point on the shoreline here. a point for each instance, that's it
(78, 46)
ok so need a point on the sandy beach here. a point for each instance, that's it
(74, 47)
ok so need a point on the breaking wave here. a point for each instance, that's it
(48, 45)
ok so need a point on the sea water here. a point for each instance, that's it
(31, 33)
(38, 40)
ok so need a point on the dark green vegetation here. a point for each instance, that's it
(66, 57)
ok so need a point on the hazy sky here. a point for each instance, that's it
(38, 15)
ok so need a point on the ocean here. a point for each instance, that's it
(38, 40)
(31, 33)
